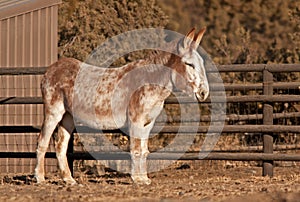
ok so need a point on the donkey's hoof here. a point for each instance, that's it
(70, 181)
(39, 179)
(141, 180)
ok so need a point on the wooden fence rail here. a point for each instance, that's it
(246, 156)
(274, 68)
(181, 100)
(267, 87)
(184, 129)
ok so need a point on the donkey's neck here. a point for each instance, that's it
(157, 61)
(153, 70)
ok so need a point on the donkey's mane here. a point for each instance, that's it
(158, 57)
(161, 57)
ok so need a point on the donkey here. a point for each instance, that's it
(66, 97)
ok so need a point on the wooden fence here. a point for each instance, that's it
(267, 128)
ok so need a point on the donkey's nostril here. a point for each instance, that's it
(203, 94)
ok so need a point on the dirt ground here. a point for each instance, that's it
(183, 182)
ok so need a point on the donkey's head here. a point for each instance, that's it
(191, 66)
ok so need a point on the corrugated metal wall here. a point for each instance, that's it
(26, 40)
(29, 39)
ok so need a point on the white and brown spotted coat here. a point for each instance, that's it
(108, 98)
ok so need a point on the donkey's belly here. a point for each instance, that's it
(99, 122)
(98, 111)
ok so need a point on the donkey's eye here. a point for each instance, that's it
(190, 64)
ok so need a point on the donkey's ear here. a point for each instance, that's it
(188, 39)
(198, 37)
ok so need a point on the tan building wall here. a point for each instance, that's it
(28, 38)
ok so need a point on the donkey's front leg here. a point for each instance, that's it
(139, 152)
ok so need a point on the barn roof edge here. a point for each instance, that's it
(11, 8)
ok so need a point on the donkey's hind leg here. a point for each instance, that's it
(52, 117)
(65, 130)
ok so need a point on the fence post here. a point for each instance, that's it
(268, 120)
